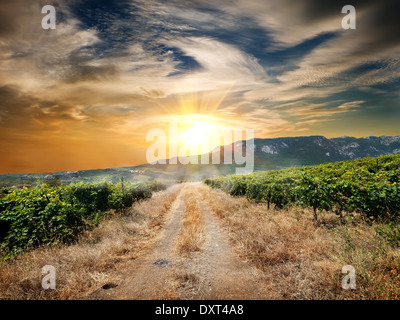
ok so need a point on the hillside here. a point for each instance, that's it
(276, 153)
(368, 186)
(298, 151)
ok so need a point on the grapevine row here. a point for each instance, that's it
(49, 215)
(368, 186)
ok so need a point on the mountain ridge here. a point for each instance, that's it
(269, 153)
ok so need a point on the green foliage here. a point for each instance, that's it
(391, 233)
(50, 214)
(369, 186)
(53, 182)
(156, 186)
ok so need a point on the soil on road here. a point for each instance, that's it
(214, 272)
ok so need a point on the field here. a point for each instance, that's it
(368, 186)
(50, 214)
(282, 234)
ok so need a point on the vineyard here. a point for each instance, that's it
(47, 214)
(368, 186)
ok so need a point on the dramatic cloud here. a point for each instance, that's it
(85, 94)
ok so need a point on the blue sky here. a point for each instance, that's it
(112, 70)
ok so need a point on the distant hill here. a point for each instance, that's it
(297, 151)
(276, 153)
(280, 153)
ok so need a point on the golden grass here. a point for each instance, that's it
(88, 264)
(300, 261)
(377, 264)
(192, 234)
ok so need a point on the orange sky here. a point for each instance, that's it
(85, 95)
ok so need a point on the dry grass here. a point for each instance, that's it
(377, 264)
(300, 261)
(192, 234)
(187, 280)
(91, 262)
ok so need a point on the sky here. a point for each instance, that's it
(85, 95)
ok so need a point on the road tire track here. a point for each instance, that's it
(150, 276)
(215, 272)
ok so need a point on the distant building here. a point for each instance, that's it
(137, 171)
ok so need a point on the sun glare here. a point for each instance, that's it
(196, 134)
(197, 131)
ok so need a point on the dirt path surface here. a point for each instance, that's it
(214, 272)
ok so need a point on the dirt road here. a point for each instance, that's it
(213, 272)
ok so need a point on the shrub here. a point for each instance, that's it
(48, 215)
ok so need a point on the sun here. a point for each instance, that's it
(196, 134)
(197, 131)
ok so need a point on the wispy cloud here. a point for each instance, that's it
(116, 69)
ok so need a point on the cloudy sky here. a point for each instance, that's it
(84, 95)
